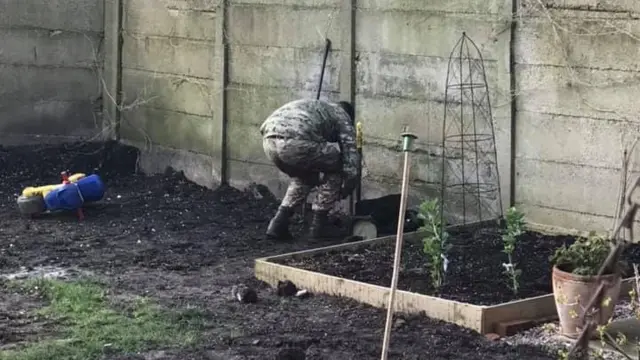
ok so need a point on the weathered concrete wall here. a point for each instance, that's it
(400, 80)
(403, 50)
(575, 75)
(275, 51)
(275, 56)
(578, 77)
(171, 85)
(50, 61)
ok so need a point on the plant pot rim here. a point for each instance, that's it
(561, 274)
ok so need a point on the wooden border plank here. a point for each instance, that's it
(463, 314)
(535, 308)
(555, 230)
(350, 246)
(484, 319)
(526, 309)
(408, 236)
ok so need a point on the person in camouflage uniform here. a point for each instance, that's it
(314, 142)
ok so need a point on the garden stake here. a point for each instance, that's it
(594, 304)
(407, 140)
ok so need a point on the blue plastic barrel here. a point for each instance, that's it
(72, 196)
(66, 197)
(91, 187)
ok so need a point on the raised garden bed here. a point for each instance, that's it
(475, 294)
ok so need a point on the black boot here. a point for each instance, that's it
(320, 227)
(318, 224)
(279, 226)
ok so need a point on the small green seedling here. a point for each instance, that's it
(435, 243)
(514, 228)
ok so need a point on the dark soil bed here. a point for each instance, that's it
(475, 271)
(185, 245)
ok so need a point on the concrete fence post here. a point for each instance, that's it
(112, 78)
(347, 69)
(514, 100)
(223, 52)
(347, 78)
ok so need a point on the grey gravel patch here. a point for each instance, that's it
(623, 310)
(546, 336)
(46, 272)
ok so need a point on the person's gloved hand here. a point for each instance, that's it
(348, 185)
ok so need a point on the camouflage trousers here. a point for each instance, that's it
(309, 164)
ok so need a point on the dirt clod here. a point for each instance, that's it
(291, 354)
(286, 288)
(245, 294)
(399, 323)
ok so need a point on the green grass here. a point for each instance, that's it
(88, 325)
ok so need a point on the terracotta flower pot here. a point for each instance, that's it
(572, 292)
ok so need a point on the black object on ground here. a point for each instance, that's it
(286, 288)
(185, 245)
(384, 213)
(245, 294)
(291, 354)
(475, 270)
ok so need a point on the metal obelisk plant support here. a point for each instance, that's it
(407, 140)
(470, 184)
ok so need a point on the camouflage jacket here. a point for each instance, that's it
(317, 121)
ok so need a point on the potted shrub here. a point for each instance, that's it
(575, 280)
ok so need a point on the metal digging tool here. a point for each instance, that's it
(361, 226)
(580, 349)
(327, 49)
